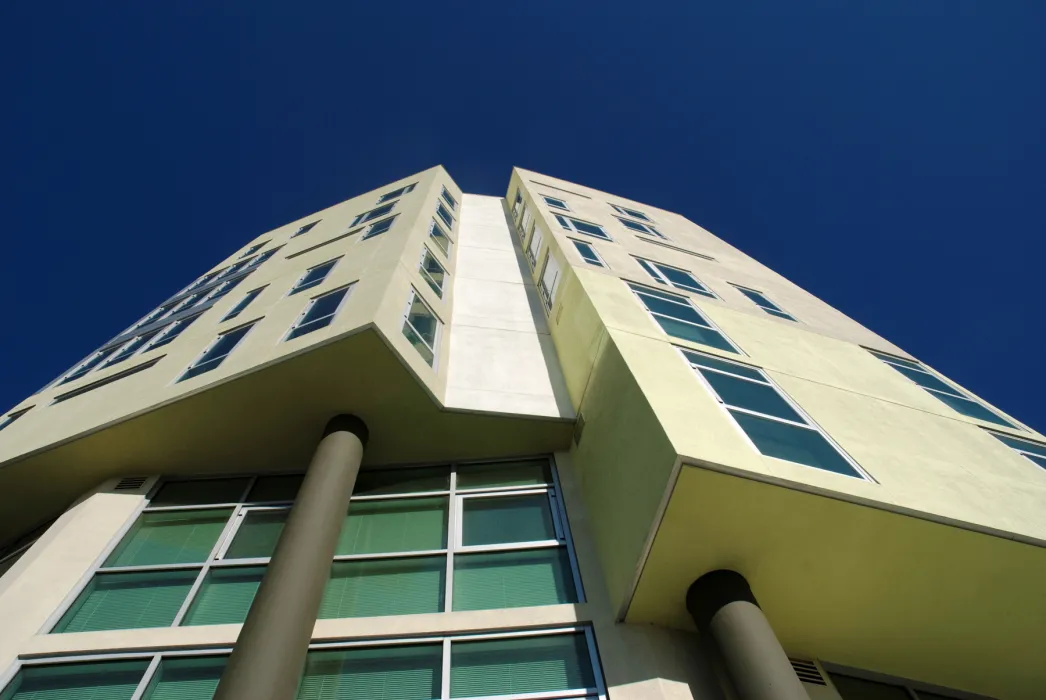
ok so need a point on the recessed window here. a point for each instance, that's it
(517, 203)
(319, 313)
(378, 228)
(255, 262)
(662, 244)
(216, 352)
(525, 223)
(129, 348)
(313, 276)
(305, 229)
(421, 327)
(534, 247)
(395, 194)
(116, 376)
(449, 199)
(199, 282)
(549, 281)
(440, 238)
(90, 363)
(589, 229)
(556, 203)
(631, 212)
(253, 249)
(760, 300)
(941, 390)
(242, 304)
(12, 417)
(674, 277)
(588, 253)
(431, 270)
(851, 687)
(1034, 451)
(771, 421)
(172, 331)
(222, 289)
(373, 214)
(641, 228)
(234, 268)
(680, 319)
(441, 212)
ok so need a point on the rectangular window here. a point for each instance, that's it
(431, 270)
(305, 229)
(105, 380)
(319, 313)
(253, 249)
(588, 253)
(441, 239)
(441, 212)
(395, 194)
(198, 283)
(556, 203)
(378, 228)
(681, 319)
(169, 333)
(517, 203)
(421, 327)
(674, 277)
(760, 300)
(525, 223)
(864, 689)
(641, 228)
(255, 262)
(223, 289)
(449, 199)
(578, 226)
(941, 390)
(12, 417)
(534, 247)
(373, 214)
(90, 363)
(1034, 451)
(677, 249)
(313, 276)
(242, 304)
(129, 348)
(631, 212)
(216, 352)
(776, 426)
(549, 281)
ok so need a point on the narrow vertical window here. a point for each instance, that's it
(549, 281)
(760, 300)
(432, 272)
(421, 327)
(588, 253)
(242, 304)
(534, 248)
(216, 352)
(319, 313)
(441, 212)
(449, 199)
(517, 203)
(441, 239)
(313, 276)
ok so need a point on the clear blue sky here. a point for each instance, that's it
(888, 156)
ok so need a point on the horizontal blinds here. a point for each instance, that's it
(381, 482)
(388, 673)
(187, 679)
(225, 596)
(410, 524)
(534, 472)
(128, 601)
(520, 665)
(171, 537)
(112, 680)
(512, 579)
(507, 519)
(258, 534)
(384, 587)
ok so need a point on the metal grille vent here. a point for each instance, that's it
(807, 672)
(130, 483)
(579, 427)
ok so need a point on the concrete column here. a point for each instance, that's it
(726, 612)
(267, 661)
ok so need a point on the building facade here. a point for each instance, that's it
(430, 445)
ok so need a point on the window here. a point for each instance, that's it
(90, 363)
(588, 253)
(234, 268)
(775, 425)
(432, 271)
(242, 304)
(129, 348)
(556, 203)
(12, 417)
(583, 227)
(441, 212)
(171, 332)
(395, 194)
(223, 289)
(105, 380)
(525, 223)
(216, 352)
(680, 319)
(534, 247)
(941, 390)
(255, 262)
(421, 327)
(306, 228)
(674, 277)
(378, 228)
(313, 276)
(549, 280)
(319, 313)
(517, 203)
(441, 239)
(641, 228)
(373, 214)
(199, 282)
(631, 212)
(253, 249)
(760, 300)
(854, 688)
(677, 249)
(1034, 451)
(449, 199)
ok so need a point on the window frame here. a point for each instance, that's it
(369, 215)
(348, 288)
(434, 225)
(296, 287)
(445, 216)
(182, 376)
(396, 194)
(640, 227)
(305, 228)
(436, 288)
(253, 249)
(630, 213)
(415, 294)
(600, 262)
(371, 229)
(548, 296)
(245, 301)
(771, 308)
(568, 223)
(1030, 455)
(653, 268)
(560, 205)
(447, 197)
(682, 300)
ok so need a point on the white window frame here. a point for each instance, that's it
(436, 288)
(774, 309)
(653, 268)
(168, 329)
(415, 294)
(545, 291)
(600, 262)
(192, 365)
(1028, 454)
(568, 223)
(439, 246)
(525, 222)
(395, 194)
(517, 203)
(631, 213)
(440, 208)
(240, 306)
(370, 229)
(560, 204)
(534, 243)
(682, 301)
(449, 199)
(295, 288)
(640, 227)
(312, 302)
(305, 228)
(253, 249)
(369, 215)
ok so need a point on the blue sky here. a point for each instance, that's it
(887, 156)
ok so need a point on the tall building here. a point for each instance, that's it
(561, 444)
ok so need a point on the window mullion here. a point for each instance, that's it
(147, 677)
(454, 537)
(197, 584)
(445, 676)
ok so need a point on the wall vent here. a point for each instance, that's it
(579, 427)
(807, 672)
(130, 483)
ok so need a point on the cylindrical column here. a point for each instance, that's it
(267, 661)
(726, 612)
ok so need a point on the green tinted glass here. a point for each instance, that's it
(386, 673)
(742, 393)
(926, 380)
(696, 334)
(792, 443)
(520, 665)
(714, 363)
(128, 601)
(186, 679)
(681, 310)
(258, 534)
(531, 472)
(512, 579)
(171, 537)
(225, 596)
(384, 587)
(395, 481)
(401, 525)
(860, 689)
(524, 518)
(971, 408)
(111, 680)
(1023, 445)
(276, 488)
(200, 492)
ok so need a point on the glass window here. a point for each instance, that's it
(584, 227)
(1034, 451)
(680, 319)
(449, 199)
(507, 519)
(305, 229)
(257, 534)
(282, 487)
(186, 679)
(556, 203)
(172, 331)
(253, 249)
(539, 664)
(223, 289)
(588, 253)
(421, 327)
(431, 270)
(517, 203)
(398, 525)
(512, 579)
(129, 348)
(216, 353)
(378, 228)
(443, 214)
(170, 537)
(386, 482)
(395, 194)
(115, 601)
(369, 588)
(769, 420)
(630, 212)
(549, 281)
(440, 238)
(531, 472)
(859, 689)
(242, 304)
(641, 228)
(12, 417)
(225, 596)
(760, 300)
(193, 492)
(108, 680)
(534, 247)
(255, 262)
(373, 214)
(401, 672)
(319, 313)
(313, 276)
(89, 364)
(674, 277)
